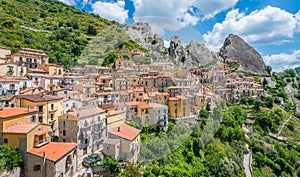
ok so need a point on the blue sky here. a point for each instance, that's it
(270, 26)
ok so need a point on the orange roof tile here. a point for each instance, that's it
(120, 104)
(132, 103)
(21, 128)
(9, 112)
(42, 132)
(8, 80)
(126, 131)
(143, 105)
(181, 97)
(173, 99)
(54, 150)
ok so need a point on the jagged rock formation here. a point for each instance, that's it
(142, 34)
(199, 54)
(236, 48)
(176, 50)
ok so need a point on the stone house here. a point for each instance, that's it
(53, 159)
(129, 142)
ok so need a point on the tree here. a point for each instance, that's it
(203, 113)
(110, 58)
(265, 82)
(91, 30)
(269, 102)
(9, 158)
(269, 69)
(112, 165)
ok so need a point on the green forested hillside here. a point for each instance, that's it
(61, 30)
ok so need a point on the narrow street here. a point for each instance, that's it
(284, 125)
(248, 162)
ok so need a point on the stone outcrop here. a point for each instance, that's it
(176, 50)
(250, 60)
(142, 34)
(199, 54)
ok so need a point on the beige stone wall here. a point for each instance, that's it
(32, 160)
(71, 129)
(52, 168)
(4, 52)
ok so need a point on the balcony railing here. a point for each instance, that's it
(42, 142)
(52, 110)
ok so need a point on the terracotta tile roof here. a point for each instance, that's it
(39, 97)
(9, 112)
(88, 111)
(126, 132)
(8, 80)
(123, 93)
(38, 70)
(42, 132)
(21, 128)
(54, 150)
(165, 94)
(144, 105)
(174, 99)
(181, 97)
(120, 104)
(132, 103)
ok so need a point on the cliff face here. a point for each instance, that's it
(142, 34)
(176, 50)
(236, 48)
(199, 54)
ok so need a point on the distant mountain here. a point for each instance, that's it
(250, 60)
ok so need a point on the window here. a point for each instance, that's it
(37, 167)
(64, 132)
(20, 59)
(5, 141)
(64, 140)
(65, 92)
(51, 116)
(41, 119)
(99, 119)
(64, 123)
(40, 109)
(33, 119)
(52, 106)
(35, 60)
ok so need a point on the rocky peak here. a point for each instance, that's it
(250, 60)
(199, 54)
(142, 34)
(176, 50)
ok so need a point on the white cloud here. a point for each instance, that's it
(283, 61)
(159, 24)
(270, 25)
(209, 8)
(297, 17)
(111, 10)
(69, 2)
(171, 9)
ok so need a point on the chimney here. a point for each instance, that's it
(119, 129)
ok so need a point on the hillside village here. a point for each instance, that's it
(72, 119)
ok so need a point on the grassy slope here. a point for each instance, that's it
(59, 29)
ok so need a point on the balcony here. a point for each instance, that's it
(40, 112)
(41, 143)
(52, 110)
